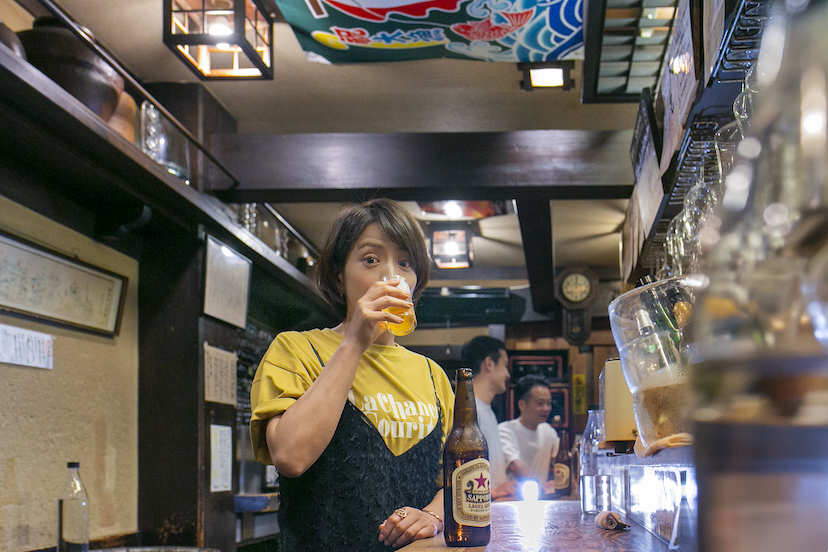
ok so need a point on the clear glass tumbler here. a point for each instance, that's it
(409, 318)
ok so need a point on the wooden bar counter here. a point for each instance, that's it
(548, 526)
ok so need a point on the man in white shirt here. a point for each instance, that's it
(487, 358)
(529, 443)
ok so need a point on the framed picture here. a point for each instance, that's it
(226, 283)
(552, 365)
(45, 285)
(558, 417)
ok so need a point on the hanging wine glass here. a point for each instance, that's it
(662, 264)
(726, 141)
(743, 108)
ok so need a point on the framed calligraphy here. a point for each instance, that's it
(48, 286)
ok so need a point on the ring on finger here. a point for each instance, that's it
(401, 513)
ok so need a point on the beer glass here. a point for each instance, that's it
(409, 318)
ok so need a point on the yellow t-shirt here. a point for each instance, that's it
(392, 387)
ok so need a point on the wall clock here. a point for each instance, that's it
(576, 288)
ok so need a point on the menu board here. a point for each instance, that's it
(678, 85)
(644, 156)
(648, 193)
(713, 19)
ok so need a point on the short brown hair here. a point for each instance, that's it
(480, 348)
(397, 223)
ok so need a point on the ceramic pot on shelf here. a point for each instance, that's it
(10, 39)
(63, 57)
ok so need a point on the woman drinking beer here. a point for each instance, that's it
(353, 422)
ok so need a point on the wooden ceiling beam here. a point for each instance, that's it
(535, 218)
(527, 165)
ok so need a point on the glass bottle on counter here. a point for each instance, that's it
(590, 463)
(761, 384)
(466, 483)
(73, 513)
(562, 468)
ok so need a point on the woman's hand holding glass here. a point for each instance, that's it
(409, 319)
(375, 310)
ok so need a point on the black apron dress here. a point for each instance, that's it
(339, 503)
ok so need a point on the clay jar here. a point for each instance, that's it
(63, 57)
(11, 40)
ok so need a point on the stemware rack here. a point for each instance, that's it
(696, 156)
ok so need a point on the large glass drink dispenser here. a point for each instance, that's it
(652, 328)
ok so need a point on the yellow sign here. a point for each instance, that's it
(579, 394)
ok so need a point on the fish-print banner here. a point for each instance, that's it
(348, 31)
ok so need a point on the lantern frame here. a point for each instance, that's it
(186, 33)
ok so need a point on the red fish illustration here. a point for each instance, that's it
(379, 10)
(488, 30)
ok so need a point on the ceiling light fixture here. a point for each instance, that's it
(453, 210)
(547, 74)
(221, 39)
(451, 247)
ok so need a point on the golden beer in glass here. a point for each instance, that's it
(409, 319)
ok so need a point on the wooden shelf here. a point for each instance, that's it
(50, 134)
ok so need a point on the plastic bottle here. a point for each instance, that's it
(73, 513)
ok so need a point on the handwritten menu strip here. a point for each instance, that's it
(219, 375)
(713, 14)
(650, 191)
(227, 284)
(26, 348)
(679, 84)
(221, 458)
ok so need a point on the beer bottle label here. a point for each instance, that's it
(471, 493)
(561, 476)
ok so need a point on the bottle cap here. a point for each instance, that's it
(642, 318)
(594, 407)
(72, 464)
(645, 280)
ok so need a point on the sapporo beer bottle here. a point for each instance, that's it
(466, 472)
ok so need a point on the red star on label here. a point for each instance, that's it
(481, 481)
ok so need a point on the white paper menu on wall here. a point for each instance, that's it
(678, 85)
(227, 283)
(26, 348)
(219, 375)
(221, 458)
